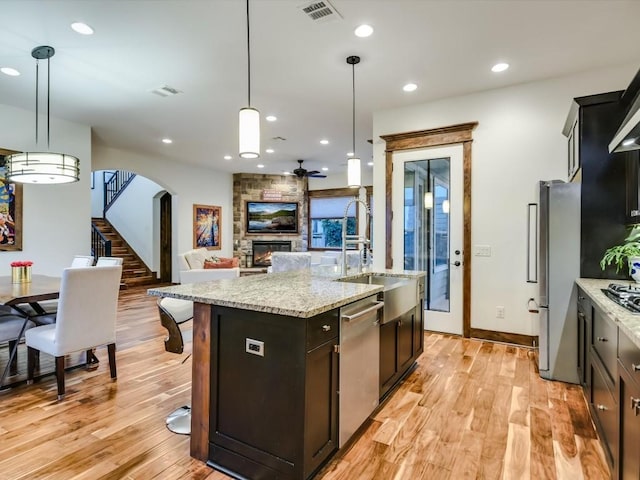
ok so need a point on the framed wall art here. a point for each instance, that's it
(207, 231)
(272, 217)
(10, 209)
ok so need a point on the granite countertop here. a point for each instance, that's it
(628, 322)
(297, 293)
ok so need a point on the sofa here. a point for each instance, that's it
(202, 265)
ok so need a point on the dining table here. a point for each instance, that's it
(18, 295)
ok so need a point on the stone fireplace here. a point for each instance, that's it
(262, 250)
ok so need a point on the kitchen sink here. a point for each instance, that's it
(400, 294)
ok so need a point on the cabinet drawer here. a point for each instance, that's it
(605, 410)
(629, 355)
(605, 335)
(322, 328)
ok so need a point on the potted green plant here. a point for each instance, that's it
(627, 253)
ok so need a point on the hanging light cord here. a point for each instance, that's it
(37, 81)
(353, 125)
(248, 59)
(48, 100)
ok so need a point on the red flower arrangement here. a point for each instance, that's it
(24, 263)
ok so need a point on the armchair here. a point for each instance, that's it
(86, 319)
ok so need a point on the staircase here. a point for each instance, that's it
(134, 271)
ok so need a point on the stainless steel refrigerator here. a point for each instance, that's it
(559, 267)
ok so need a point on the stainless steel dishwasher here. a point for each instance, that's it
(359, 360)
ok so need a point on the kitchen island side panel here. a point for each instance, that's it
(200, 381)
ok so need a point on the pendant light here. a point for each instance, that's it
(249, 124)
(353, 163)
(42, 167)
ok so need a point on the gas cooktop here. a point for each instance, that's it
(627, 296)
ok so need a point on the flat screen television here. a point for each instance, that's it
(272, 217)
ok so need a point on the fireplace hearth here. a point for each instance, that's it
(262, 250)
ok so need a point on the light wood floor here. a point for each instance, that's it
(471, 409)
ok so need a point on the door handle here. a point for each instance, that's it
(456, 263)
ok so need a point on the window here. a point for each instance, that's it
(326, 211)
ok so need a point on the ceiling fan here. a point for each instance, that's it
(302, 172)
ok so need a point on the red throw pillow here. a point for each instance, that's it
(221, 264)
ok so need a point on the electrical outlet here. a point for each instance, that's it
(482, 251)
(499, 312)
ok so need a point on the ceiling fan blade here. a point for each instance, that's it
(316, 175)
(313, 172)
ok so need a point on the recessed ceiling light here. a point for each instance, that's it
(350, 154)
(12, 72)
(227, 157)
(370, 164)
(270, 118)
(82, 28)
(324, 141)
(628, 142)
(260, 165)
(410, 87)
(499, 67)
(269, 150)
(167, 140)
(286, 173)
(324, 169)
(363, 31)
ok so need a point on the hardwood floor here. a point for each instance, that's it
(471, 409)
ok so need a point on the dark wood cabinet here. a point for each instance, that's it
(274, 393)
(401, 343)
(629, 395)
(612, 387)
(584, 335)
(632, 164)
(590, 126)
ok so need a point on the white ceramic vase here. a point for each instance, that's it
(634, 268)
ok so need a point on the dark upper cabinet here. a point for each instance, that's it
(632, 161)
(591, 124)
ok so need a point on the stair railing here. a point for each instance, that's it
(114, 186)
(100, 245)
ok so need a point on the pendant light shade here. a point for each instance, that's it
(249, 118)
(42, 167)
(249, 133)
(354, 179)
(353, 173)
(428, 200)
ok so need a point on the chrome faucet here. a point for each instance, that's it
(354, 239)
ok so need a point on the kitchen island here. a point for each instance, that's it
(265, 368)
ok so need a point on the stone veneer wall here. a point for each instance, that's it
(249, 187)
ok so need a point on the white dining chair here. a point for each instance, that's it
(104, 261)
(287, 261)
(82, 261)
(11, 325)
(86, 318)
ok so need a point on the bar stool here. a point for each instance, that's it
(174, 312)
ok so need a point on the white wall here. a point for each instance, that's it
(133, 214)
(187, 184)
(518, 141)
(56, 218)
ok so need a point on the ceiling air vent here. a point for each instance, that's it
(321, 11)
(165, 91)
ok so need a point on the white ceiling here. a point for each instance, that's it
(299, 72)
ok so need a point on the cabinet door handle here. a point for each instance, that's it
(580, 315)
(602, 407)
(634, 367)
(580, 297)
(635, 405)
(326, 328)
(602, 339)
